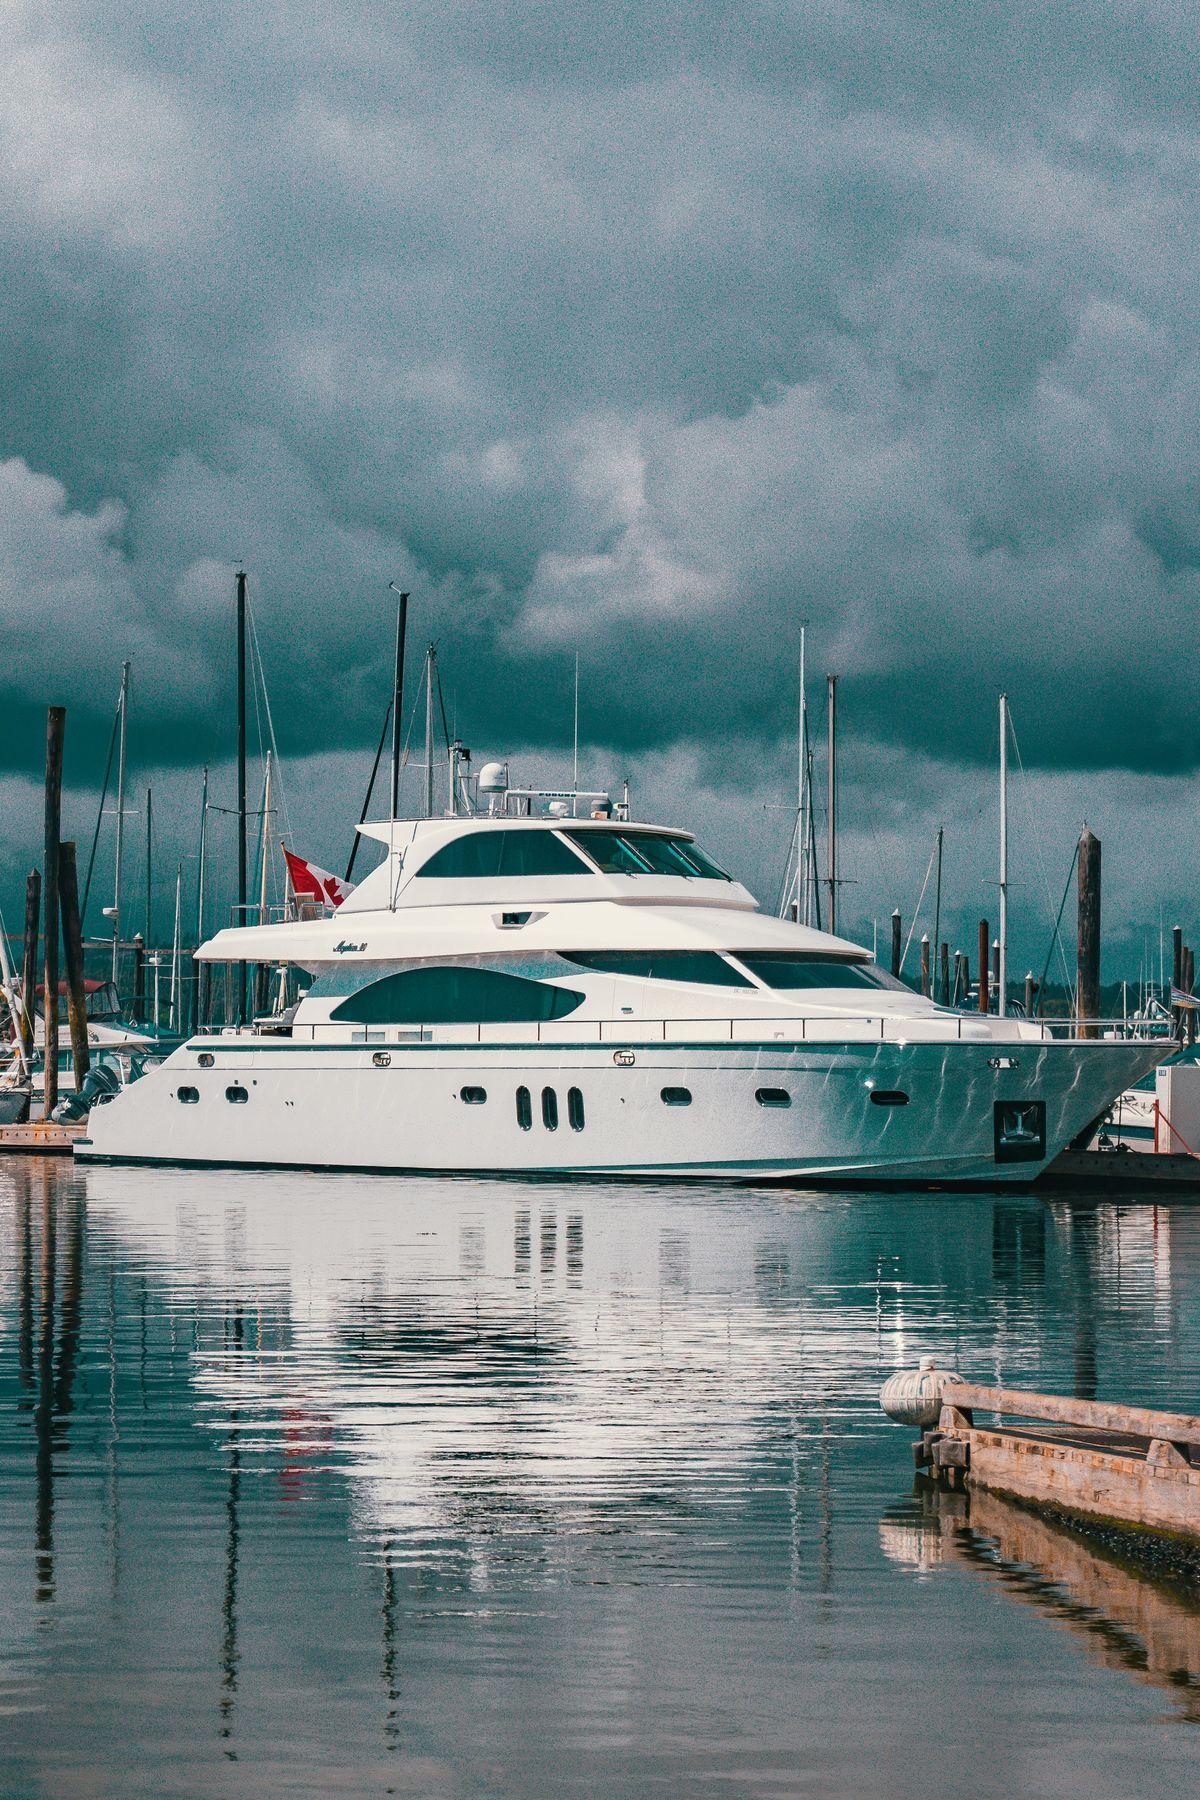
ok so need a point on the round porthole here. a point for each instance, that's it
(206, 1059)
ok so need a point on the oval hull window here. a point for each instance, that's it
(236, 1096)
(472, 1096)
(676, 1096)
(773, 1097)
(575, 1108)
(524, 1109)
(550, 1109)
(189, 1095)
(888, 1097)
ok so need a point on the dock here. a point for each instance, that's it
(41, 1137)
(1126, 1467)
(1173, 1169)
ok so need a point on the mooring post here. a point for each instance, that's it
(944, 991)
(29, 962)
(925, 964)
(896, 942)
(56, 720)
(999, 997)
(966, 978)
(1189, 987)
(958, 975)
(1030, 993)
(1088, 1002)
(984, 940)
(72, 934)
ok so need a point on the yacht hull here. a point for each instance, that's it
(971, 1111)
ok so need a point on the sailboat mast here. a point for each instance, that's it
(241, 778)
(175, 994)
(430, 659)
(265, 843)
(831, 681)
(120, 853)
(201, 877)
(1002, 997)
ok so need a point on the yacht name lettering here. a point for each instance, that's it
(344, 948)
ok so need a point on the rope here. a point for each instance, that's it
(921, 901)
(1056, 940)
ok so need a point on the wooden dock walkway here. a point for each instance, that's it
(1128, 1466)
(41, 1137)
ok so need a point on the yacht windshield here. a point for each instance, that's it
(647, 853)
(814, 969)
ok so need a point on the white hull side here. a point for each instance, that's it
(325, 1106)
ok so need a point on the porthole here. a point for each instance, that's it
(188, 1095)
(888, 1097)
(382, 1059)
(206, 1059)
(550, 1109)
(524, 1109)
(676, 1096)
(236, 1096)
(472, 1096)
(773, 1097)
(575, 1108)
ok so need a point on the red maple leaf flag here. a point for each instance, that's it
(311, 883)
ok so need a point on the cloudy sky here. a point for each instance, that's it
(640, 331)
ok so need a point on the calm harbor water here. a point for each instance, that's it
(339, 1485)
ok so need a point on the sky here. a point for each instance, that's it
(635, 331)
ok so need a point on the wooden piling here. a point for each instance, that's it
(1189, 987)
(958, 976)
(896, 933)
(996, 972)
(925, 965)
(966, 977)
(1030, 993)
(1088, 988)
(1177, 974)
(72, 933)
(56, 722)
(29, 961)
(985, 937)
(944, 985)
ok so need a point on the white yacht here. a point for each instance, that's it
(531, 992)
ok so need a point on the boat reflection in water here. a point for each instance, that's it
(1124, 1618)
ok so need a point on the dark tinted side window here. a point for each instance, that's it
(661, 965)
(550, 1109)
(813, 969)
(455, 995)
(575, 1108)
(773, 1097)
(676, 1096)
(524, 1110)
(489, 855)
(646, 853)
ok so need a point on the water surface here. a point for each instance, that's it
(358, 1485)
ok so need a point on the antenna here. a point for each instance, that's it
(1002, 984)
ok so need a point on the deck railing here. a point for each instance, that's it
(844, 1028)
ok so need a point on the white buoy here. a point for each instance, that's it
(914, 1396)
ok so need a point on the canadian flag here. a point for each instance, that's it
(310, 883)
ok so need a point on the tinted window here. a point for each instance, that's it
(773, 1097)
(646, 853)
(677, 1096)
(237, 1096)
(455, 996)
(524, 1110)
(575, 1108)
(814, 969)
(472, 1096)
(189, 1095)
(550, 1109)
(489, 855)
(889, 1097)
(661, 965)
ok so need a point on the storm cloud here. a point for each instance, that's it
(640, 331)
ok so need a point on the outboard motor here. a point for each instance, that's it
(101, 1079)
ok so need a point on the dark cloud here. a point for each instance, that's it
(639, 330)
